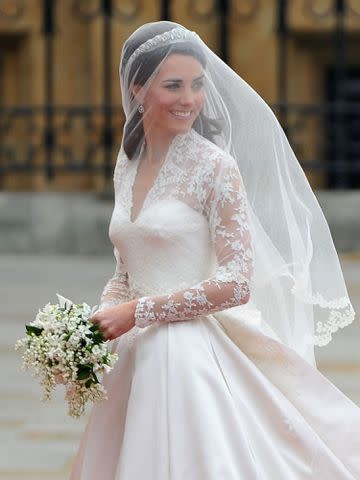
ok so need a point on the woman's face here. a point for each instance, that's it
(176, 96)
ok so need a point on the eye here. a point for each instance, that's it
(172, 86)
(198, 85)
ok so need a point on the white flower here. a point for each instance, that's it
(59, 348)
(63, 302)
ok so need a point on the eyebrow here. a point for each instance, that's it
(179, 80)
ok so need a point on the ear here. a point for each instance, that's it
(136, 92)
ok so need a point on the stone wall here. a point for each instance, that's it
(77, 223)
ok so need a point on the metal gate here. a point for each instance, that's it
(46, 127)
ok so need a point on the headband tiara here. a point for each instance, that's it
(178, 33)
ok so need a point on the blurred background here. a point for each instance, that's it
(60, 131)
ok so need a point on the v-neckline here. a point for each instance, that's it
(154, 183)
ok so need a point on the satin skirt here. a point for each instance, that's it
(185, 400)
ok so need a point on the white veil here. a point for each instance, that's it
(297, 283)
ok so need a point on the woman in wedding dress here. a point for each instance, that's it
(226, 278)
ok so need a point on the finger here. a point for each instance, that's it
(94, 319)
(97, 318)
(109, 334)
(101, 326)
(112, 333)
(103, 329)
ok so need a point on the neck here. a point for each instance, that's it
(157, 145)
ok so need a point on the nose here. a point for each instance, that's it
(187, 97)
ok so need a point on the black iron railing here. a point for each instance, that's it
(54, 138)
(76, 142)
(76, 139)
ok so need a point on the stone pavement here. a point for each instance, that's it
(38, 440)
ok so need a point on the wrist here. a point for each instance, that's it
(144, 314)
(132, 305)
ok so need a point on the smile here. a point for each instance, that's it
(181, 114)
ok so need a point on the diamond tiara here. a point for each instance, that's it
(178, 33)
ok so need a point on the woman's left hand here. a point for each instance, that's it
(117, 320)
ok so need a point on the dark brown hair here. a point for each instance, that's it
(141, 70)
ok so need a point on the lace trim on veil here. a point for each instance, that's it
(341, 314)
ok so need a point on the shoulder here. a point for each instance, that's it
(120, 166)
(211, 160)
(209, 152)
(198, 154)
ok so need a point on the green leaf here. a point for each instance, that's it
(98, 338)
(83, 375)
(88, 383)
(94, 327)
(84, 371)
(32, 329)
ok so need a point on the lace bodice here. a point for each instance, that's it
(188, 252)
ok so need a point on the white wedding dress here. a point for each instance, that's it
(185, 399)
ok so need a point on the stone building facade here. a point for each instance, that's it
(77, 72)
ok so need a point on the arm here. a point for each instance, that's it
(226, 210)
(116, 289)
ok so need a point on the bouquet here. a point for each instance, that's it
(64, 347)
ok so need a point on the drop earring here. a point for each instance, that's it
(141, 108)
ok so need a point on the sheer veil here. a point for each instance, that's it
(297, 281)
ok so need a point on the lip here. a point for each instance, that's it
(182, 117)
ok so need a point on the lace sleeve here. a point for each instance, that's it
(226, 211)
(116, 289)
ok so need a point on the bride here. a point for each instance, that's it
(226, 278)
